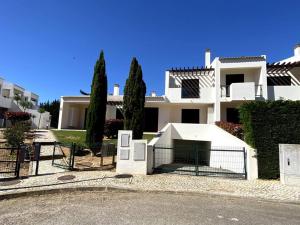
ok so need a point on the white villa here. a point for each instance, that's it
(8, 91)
(201, 95)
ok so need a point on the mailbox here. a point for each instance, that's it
(139, 151)
(289, 156)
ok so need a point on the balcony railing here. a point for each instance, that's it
(225, 91)
(258, 90)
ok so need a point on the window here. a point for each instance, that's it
(233, 115)
(279, 81)
(190, 116)
(190, 88)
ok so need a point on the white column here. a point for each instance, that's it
(217, 106)
(61, 107)
(167, 82)
(263, 80)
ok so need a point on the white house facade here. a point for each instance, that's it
(202, 95)
(8, 91)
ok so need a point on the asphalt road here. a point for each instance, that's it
(144, 208)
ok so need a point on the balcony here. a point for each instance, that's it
(203, 95)
(241, 91)
(5, 102)
(284, 92)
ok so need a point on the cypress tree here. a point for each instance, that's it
(134, 100)
(97, 108)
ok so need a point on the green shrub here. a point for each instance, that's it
(111, 128)
(232, 128)
(267, 124)
(15, 135)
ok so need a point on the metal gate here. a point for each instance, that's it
(9, 162)
(192, 160)
(63, 155)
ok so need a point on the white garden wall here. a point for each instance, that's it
(218, 138)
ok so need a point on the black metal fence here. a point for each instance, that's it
(192, 160)
(11, 160)
(63, 155)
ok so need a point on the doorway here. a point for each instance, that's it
(233, 78)
(190, 116)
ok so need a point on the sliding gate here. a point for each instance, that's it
(200, 161)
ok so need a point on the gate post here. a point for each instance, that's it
(72, 157)
(245, 163)
(153, 166)
(37, 152)
(197, 160)
(17, 168)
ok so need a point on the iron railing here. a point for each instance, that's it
(192, 160)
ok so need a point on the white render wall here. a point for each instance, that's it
(218, 138)
(130, 165)
(284, 92)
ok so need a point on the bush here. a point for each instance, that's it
(232, 128)
(111, 128)
(266, 124)
(15, 135)
(15, 117)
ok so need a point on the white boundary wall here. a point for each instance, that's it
(205, 132)
(133, 157)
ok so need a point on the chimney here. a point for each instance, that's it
(116, 90)
(297, 50)
(207, 58)
(153, 94)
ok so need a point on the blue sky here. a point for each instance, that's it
(50, 46)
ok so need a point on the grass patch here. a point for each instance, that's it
(68, 137)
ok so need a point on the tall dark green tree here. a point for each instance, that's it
(53, 108)
(97, 107)
(134, 100)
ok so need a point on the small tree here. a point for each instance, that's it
(25, 105)
(17, 98)
(15, 135)
(97, 107)
(134, 100)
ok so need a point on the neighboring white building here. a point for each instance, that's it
(8, 91)
(202, 95)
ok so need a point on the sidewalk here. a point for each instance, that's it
(261, 189)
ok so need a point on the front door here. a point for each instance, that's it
(151, 120)
(233, 78)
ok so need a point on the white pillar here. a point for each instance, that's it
(61, 107)
(217, 104)
(167, 82)
(207, 58)
(263, 79)
(116, 90)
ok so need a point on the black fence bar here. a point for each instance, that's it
(10, 162)
(218, 161)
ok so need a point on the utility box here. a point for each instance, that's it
(289, 159)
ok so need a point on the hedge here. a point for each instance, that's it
(267, 124)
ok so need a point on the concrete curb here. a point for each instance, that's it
(32, 193)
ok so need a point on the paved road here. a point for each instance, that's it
(144, 208)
